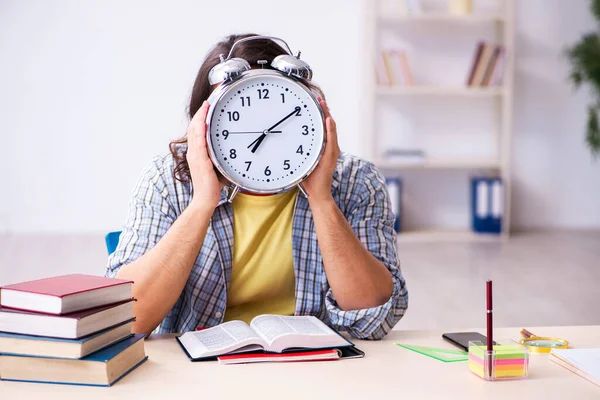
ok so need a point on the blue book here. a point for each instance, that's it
(102, 368)
(43, 346)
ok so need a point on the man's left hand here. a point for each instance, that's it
(318, 183)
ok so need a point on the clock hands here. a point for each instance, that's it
(257, 142)
(296, 111)
(262, 137)
(237, 133)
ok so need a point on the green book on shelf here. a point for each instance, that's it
(438, 354)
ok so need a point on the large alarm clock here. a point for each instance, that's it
(266, 129)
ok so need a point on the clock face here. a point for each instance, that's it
(266, 132)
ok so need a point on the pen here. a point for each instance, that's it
(490, 333)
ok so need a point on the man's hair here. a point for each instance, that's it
(251, 51)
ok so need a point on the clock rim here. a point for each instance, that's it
(225, 88)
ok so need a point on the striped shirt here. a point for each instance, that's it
(359, 190)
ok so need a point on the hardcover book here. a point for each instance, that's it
(41, 346)
(65, 294)
(71, 326)
(102, 368)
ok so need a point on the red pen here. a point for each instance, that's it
(490, 329)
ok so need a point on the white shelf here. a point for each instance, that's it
(381, 20)
(442, 163)
(442, 17)
(460, 236)
(439, 91)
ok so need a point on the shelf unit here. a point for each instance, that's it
(441, 236)
(439, 91)
(442, 163)
(443, 17)
(503, 24)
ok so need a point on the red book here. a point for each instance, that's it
(65, 294)
(319, 355)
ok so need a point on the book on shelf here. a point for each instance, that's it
(476, 57)
(582, 362)
(265, 333)
(392, 68)
(41, 346)
(69, 326)
(65, 294)
(381, 71)
(487, 67)
(103, 368)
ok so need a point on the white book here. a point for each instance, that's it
(583, 362)
(268, 333)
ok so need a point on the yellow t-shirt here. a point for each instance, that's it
(262, 278)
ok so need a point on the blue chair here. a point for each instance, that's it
(112, 241)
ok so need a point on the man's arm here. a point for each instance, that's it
(367, 294)
(161, 273)
(357, 279)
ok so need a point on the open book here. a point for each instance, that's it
(269, 333)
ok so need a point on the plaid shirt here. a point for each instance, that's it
(360, 193)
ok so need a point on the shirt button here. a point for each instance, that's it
(218, 314)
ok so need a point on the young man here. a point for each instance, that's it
(198, 260)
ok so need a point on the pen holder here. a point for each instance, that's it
(508, 360)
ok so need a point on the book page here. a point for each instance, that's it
(221, 339)
(281, 332)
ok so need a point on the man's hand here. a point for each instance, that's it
(318, 183)
(207, 187)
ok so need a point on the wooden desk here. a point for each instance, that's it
(387, 372)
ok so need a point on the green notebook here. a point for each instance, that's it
(438, 354)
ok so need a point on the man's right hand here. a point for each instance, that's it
(206, 184)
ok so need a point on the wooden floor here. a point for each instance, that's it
(539, 278)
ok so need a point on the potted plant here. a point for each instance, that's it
(585, 70)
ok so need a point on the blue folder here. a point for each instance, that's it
(487, 204)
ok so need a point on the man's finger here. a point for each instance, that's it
(332, 140)
(325, 108)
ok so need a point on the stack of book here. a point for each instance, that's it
(487, 68)
(392, 69)
(72, 329)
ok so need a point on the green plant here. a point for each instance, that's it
(585, 69)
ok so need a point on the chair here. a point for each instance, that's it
(112, 240)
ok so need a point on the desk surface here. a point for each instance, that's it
(387, 370)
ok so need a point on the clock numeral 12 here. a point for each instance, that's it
(263, 93)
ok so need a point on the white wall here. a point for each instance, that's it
(556, 183)
(90, 91)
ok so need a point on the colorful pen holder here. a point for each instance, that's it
(508, 360)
